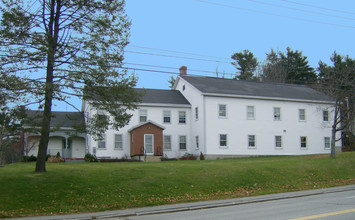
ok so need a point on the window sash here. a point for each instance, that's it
(197, 142)
(196, 113)
(182, 142)
(278, 141)
(118, 141)
(143, 115)
(303, 142)
(302, 114)
(251, 140)
(167, 142)
(223, 140)
(166, 117)
(326, 142)
(325, 116)
(222, 111)
(277, 114)
(250, 112)
(182, 117)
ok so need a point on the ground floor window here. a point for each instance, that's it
(251, 141)
(278, 141)
(303, 142)
(327, 142)
(182, 142)
(223, 140)
(197, 142)
(118, 141)
(167, 142)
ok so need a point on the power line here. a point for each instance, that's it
(272, 14)
(296, 9)
(179, 57)
(179, 52)
(323, 8)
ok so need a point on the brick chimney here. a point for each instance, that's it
(183, 70)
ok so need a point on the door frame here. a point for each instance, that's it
(152, 153)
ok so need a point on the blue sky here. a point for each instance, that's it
(204, 34)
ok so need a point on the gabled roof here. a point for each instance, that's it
(161, 96)
(244, 88)
(144, 123)
(59, 119)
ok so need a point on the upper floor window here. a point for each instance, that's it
(302, 114)
(118, 141)
(303, 142)
(251, 141)
(250, 112)
(166, 116)
(223, 140)
(325, 116)
(167, 142)
(182, 117)
(143, 115)
(222, 110)
(182, 142)
(327, 142)
(277, 113)
(278, 141)
(196, 113)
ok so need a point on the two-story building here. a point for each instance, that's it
(221, 118)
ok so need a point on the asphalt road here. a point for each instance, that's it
(337, 205)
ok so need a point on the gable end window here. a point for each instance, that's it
(182, 117)
(302, 114)
(222, 111)
(277, 114)
(143, 115)
(325, 116)
(166, 117)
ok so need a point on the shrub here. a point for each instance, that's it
(90, 158)
(188, 156)
(55, 159)
(29, 158)
(202, 157)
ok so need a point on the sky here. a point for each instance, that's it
(204, 34)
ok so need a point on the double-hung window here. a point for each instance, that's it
(278, 141)
(182, 142)
(326, 142)
(182, 117)
(325, 116)
(223, 142)
(167, 142)
(143, 115)
(222, 111)
(196, 113)
(277, 114)
(251, 141)
(303, 142)
(250, 112)
(166, 116)
(101, 143)
(197, 142)
(302, 114)
(118, 141)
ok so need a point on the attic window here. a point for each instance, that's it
(183, 88)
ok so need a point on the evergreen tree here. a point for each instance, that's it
(246, 64)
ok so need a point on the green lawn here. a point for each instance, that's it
(89, 187)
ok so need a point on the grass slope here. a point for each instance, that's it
(89, 187)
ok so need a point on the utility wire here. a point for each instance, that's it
(272, 14)
(296, 9)
(323, 8)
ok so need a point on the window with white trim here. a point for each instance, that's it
(277, 114)
(182, 142)
(167, 142)
(325, 116)
(222, 111)
(303, 142)
(118, 141)
(182, 117)
(302, 114)
(278, 141)
(223, 142)
(166, 116)
(250, 112)
(143, 115)
(251, 141)
(327, 142)
(101, 143)
(196, 113)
